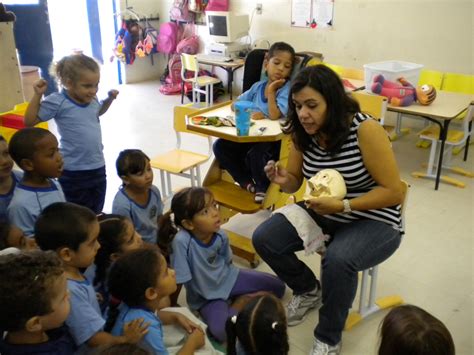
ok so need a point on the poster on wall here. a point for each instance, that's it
(312, 13)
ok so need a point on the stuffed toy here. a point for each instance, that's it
(403, 93)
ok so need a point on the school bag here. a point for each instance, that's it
(217, 5)
(172, 83)
(150, 38)
(180, 11)
(189, 42)
(168, 37)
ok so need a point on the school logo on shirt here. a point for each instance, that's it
(152, 212)
(212, 258)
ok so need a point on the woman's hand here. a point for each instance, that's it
(40, 86)
(276, 173)
(325, 205)
(185, 323)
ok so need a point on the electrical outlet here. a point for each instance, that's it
(259, 9)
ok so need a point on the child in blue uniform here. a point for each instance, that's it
(13, 237)
(35, 151)
(8, 178)
(138, 199)
(202, 259)
(141, 278)
(245, 161)
(34, 303)
(260, 328)
(76, 112)
(72, 230)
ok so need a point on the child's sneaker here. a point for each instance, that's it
(300, 305)
(259, 197)
(320, 348)
(250, 188)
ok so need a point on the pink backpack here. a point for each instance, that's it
(173, 80)
(217, 5)
(167, 37)
(180, 11)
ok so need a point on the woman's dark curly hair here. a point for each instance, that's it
(340, 107)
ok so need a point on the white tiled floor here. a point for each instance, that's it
(433, 267)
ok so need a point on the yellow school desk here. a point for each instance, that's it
(231, 198)
(447, 106)
(229, 67)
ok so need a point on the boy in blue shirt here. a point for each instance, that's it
(72, 230)
(34, 303)
(35, 151)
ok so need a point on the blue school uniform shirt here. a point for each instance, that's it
(206, 270)
(153, 340)
(6, 198)
(59, 343)
(256, 94)
(144, 217)
(79, 128)
(85, 319)
(28, 202)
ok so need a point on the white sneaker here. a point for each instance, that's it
(300, 305)
(320, 348)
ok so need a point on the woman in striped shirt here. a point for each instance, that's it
(329, 132)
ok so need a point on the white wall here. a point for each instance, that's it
(438, 34)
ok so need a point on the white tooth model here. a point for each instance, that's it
(327, 182)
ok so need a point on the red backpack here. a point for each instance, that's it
(168, 37)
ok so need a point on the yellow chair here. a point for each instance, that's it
(19, 109)
(455, 138)
(336, 68)
(353, 73)
(190, 63)
(459, 83)
(178, 161)
(376, 106)
(368, 304)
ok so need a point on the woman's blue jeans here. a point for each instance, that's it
(354, 247)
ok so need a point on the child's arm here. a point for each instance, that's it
(31, 114)
(194, 341)
(177, 319)
(273, 110)
(133, 332)
(108, 101)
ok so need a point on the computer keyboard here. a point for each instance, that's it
(213, 58)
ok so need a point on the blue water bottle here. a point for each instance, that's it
(243, 109)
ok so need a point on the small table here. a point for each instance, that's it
(447, 106)
(229, 67)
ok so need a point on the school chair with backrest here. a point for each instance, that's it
(374, 105)
(178, 161)
(353, 73)
(459, 83)
(338, 69)
(368, 304)
(454, 138)
(189, 63)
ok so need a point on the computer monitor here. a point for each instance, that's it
(225, 27)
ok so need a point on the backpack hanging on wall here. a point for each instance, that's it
(180, 11)
(168, 37)
(217, 5)
(189, 42)
(150, 38)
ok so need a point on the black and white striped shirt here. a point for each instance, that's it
(348, 161)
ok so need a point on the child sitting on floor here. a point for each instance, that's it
(202, 259)
(35, 151)
(72, 230)
(259, 329)
(141, 278)
(411, 330)
(138, 199)
(245, 161)
(34, 303)
(8, 178)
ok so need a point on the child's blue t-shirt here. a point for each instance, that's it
(59, 343)
(153, 340)
(256, 94)
(85, 319)
(144, 217)
(28, 203)
(5, 199)
(206, 270)
(79, 128)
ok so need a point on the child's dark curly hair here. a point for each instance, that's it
(260, 327)
(5, 228)
(26, 286)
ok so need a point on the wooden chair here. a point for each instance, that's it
(455, 138)
(368, 304)
(376, 106)
(190, 63)
(179, 161)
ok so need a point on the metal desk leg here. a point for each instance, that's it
(443, 132)
(230, 80)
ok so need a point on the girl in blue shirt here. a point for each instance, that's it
(76, 112)
(202, 259)
(8, 178)
(245, 161)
